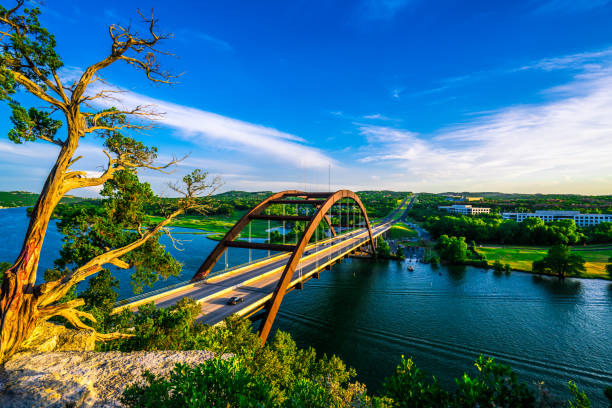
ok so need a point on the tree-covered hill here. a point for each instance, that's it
(26, 199)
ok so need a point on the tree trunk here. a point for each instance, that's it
(18, 299)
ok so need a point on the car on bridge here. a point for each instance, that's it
(234, 300)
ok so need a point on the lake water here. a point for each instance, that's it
(370, 313)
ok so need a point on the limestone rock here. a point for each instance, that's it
(55, 337)
(84, 378)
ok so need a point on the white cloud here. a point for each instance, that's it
(563, 145)
(206, 128)
(589, 61)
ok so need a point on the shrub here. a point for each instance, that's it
(410, 387)
(217, 382)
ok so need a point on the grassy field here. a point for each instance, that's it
(402, 231)
(220, 224)
(521, 258)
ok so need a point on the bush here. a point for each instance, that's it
(217, 383)
(495, 386)
(410, 387)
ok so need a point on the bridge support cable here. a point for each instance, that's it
(290, 267)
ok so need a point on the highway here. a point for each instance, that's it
(256, 282)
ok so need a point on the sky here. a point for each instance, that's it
(408, 95)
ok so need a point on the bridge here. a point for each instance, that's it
(336, 226)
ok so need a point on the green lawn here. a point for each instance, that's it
(402, 231)
(521, 258)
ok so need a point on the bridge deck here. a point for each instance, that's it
(256, 282)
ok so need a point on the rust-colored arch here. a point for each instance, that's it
(283, 283)
(222, 246)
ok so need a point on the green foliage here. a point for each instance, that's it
(216, 383)
(495, 386)
(498, 266)
(91, 231)
(560, 261)
(609, 267)
(383, 249)
(25, 199)
(410, 387)
(155, 328)
(31, 124)
(32, 43)
(579, 398)
(452, 249)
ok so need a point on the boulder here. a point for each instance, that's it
(55, 337)
(82, 378)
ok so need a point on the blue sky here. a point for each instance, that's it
(411, 95)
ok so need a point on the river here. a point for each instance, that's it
(370, 313)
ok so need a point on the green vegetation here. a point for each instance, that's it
(383, 250)
(490, 228)
(282, 375)
(26, 199)
(401, 231)
(455, 250)
(522, 258)
(560, 261)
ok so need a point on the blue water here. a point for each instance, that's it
(370, 313)
(193, 249)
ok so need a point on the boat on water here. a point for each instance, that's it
(411, 268)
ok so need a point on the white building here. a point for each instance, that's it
(464, 209)
(581, 220)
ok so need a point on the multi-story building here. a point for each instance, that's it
(464, 209)
(581, 220)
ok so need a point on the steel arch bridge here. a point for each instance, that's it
(322, 203)
(263, 283)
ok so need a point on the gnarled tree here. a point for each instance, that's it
(30, 64)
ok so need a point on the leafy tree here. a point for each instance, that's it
(507, 268)
(560, 261)
(382, 248)
(498, 266)
(452, 249)
(609, 267)
(29, 65)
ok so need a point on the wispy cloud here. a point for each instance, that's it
(377, 116)
(589, 61)
(396, 93)
(555, 146)
(206, 128)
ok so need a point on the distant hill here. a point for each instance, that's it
(27, 199)
(243, 194)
